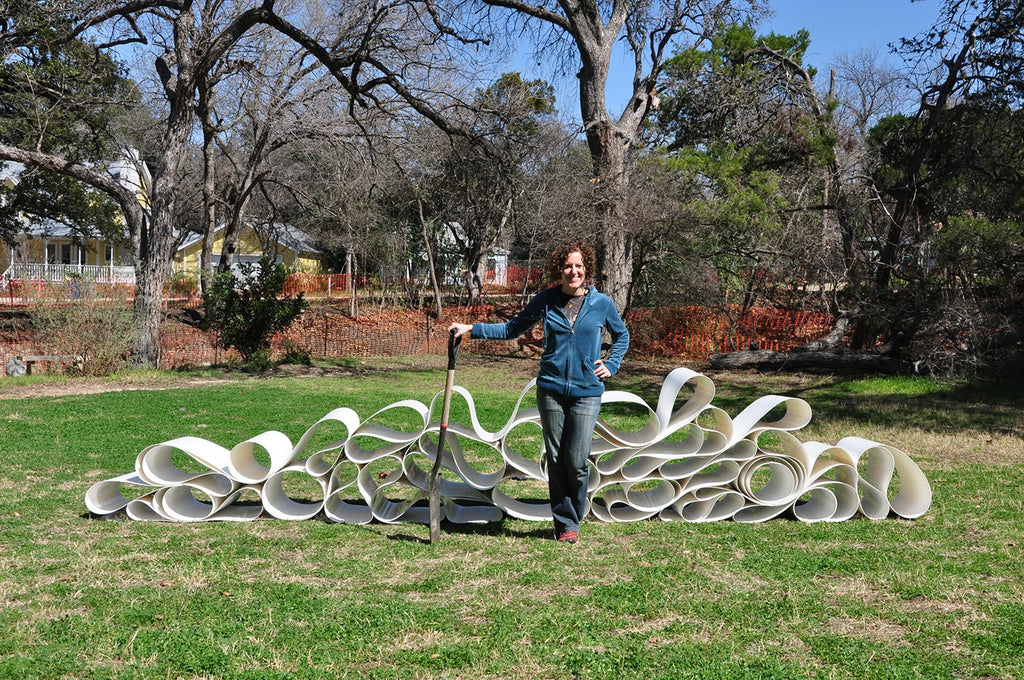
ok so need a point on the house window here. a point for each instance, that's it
(65, 253)
(51, 253)
(108, 253)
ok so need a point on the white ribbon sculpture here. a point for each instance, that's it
(675, 468)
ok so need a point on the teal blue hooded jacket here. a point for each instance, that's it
(570, 349)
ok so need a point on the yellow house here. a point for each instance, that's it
(49, 250)
(282, 243)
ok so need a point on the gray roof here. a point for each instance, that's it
(47, 228)
(9, 170)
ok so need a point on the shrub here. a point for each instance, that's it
(181, 285)
(93, 324)
(292, 353)
(247, 309)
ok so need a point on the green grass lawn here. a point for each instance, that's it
(941, 596)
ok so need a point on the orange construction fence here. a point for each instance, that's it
(683, 333)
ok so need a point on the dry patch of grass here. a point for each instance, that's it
(871, 628)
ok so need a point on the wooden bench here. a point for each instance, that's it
(30, 359)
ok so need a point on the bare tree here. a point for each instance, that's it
(480, 182)
(589, 30)
(364, 47)
(278, 96)
(979, 49)
(562, 198)
(409, 162)
(867, 89)
(191, 48)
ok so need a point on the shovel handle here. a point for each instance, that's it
(454, 344)
(433, 483)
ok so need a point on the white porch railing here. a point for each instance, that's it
(63, 272)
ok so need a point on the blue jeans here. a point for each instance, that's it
(568, 426)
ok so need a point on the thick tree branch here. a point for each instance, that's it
(535, 11)
(126, 198)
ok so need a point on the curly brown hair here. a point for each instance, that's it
(560, 254)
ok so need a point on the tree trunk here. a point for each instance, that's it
(206, 255)
(230, 243)
(149, 292)
(153, 260)
(617, 266)
(608, 148)
(824, 353)
(203, 109)
(431, 267)
(209, 213)
(476, 263)
(610, 143)
(350, 269)
(802, 360)
(153, 246)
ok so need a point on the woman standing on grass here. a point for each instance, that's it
(569, 381)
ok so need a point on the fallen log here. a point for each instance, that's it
(831, 359)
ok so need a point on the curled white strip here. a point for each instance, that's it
(689, 461)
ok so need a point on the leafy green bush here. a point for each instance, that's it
(292, 353)
(247, 309)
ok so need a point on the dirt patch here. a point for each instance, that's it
(90, 386)
(60, 387)
(871, 629)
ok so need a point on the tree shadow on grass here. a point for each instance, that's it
(974, 408)
(491, 529)
(968, 409)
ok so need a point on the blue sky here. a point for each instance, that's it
(844, 26)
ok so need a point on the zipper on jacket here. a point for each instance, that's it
(572, 348)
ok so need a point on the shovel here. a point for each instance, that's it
(434, 484)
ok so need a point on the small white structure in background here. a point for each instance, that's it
(498, 264)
